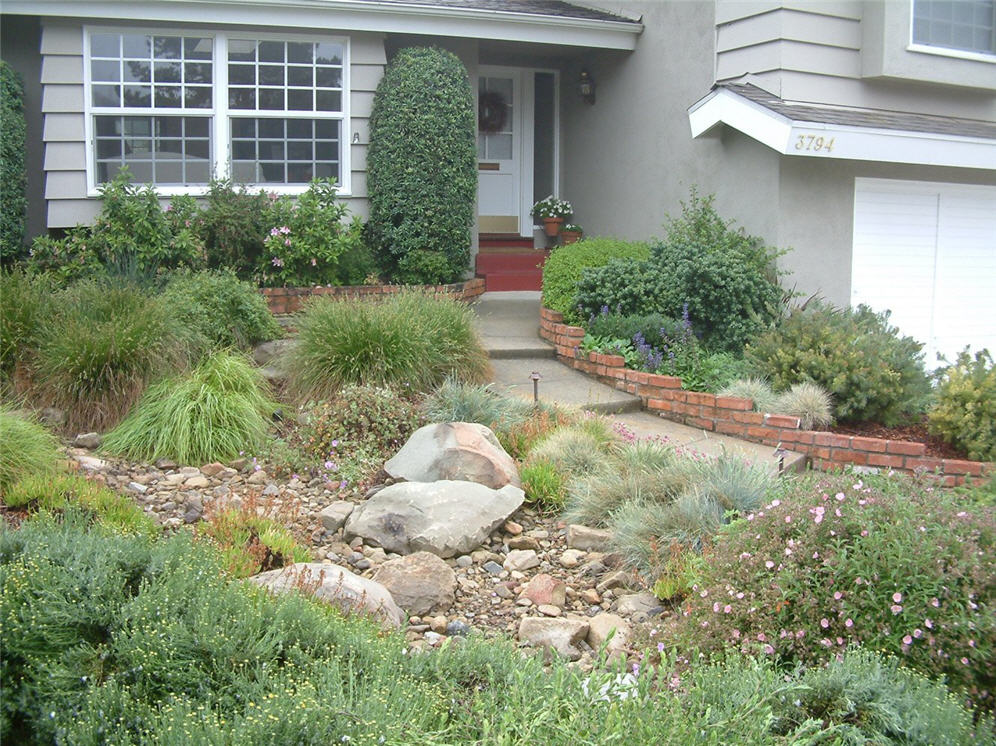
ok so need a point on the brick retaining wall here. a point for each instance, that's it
(735, 416)
(289, 300)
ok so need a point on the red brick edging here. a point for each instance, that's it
(735, 416)
(289, 300)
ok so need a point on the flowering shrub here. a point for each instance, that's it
(894, 565)
(965, 413)
(552, 207)
(308, 238)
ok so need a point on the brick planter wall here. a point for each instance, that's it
(289, 300)
(734, 416)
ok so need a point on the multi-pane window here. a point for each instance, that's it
(285, 103)
(159, 104)
(965, 25)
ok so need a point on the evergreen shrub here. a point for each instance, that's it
(965, 410)
(422, 167)
(13, 176)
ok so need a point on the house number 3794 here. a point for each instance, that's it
(814, 143)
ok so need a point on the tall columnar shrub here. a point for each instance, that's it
(726, 279)
(422, 167)
(12, 173)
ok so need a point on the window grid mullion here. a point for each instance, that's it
(222, 128)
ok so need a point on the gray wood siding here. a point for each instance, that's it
(65, 183)
(62, 109)
(807, 40)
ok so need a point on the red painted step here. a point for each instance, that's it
(513, 281)
(504, 241)
(509, 262)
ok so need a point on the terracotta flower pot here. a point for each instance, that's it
(567, 237)
(552, 225)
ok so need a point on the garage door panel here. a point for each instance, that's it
(928, 252)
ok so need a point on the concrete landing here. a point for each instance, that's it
(508, 323)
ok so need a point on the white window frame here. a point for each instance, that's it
(220, 112)
(962, 54)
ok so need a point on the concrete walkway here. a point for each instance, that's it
(508, 323)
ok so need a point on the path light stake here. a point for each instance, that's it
(780, 453)
(535, 378)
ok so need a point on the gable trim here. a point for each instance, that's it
(351, 15)
(824, 140)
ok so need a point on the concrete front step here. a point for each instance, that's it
(560, 384)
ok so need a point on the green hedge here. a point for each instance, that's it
(564, 267)
(422, 167)
(12, 174)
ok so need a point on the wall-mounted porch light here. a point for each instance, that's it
(586, 87)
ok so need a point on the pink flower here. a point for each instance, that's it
(897, 597)
(727, 609)
(837, 596)
(964, 661)
(824, 622)
(848, 622)
(761, 637)
(825, 642)
(286, 242)
(660, 647)
(314, 262)
(715, 607)
(895, 608)
(918, 633)
(907, 640)
(840, 496)
(769, 564)
(928, 624)
(775, 503)
(788, 519)
(769, 650)
(935, 603)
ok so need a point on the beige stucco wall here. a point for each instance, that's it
(629, 160)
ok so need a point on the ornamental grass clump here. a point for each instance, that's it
(24, 301)
(26, 449)
(755, 389)
(222, 408)
(458, 401)
(888, 563)
(411, 340)
(98, 349)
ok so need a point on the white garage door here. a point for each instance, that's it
(927, 252)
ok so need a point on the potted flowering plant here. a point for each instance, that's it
(552, 210)
(570, 233)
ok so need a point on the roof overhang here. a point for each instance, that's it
(825, 140)
(351, 15)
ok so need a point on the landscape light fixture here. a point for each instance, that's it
(586, 87)
(535, 378)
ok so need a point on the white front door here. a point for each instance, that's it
(504, 133)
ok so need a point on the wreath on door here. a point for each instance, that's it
(492, 111)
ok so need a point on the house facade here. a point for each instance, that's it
(859, 135)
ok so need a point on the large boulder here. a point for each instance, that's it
(446, 518)
(419, 583)
(334, 585)
(462, 451)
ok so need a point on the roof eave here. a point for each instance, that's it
(824, 140)
(352, 15)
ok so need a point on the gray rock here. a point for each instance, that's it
(639, 606)
(493, 567)
(272, 351)
(458, 628)
(192, 515)
(213, 469)
(334, 585)
(464, 561)
(611, 628)
(460, 451)
(419, 583)
(335, 514)
(617, 579)
(139, 488)
(521, 559)
(197, 483)
(257, 477)
(523, 542)
(271, 489)
(91, 463)
(446, 518)
(571, 558)
(90, 441)
(560, 635)
(586, 538)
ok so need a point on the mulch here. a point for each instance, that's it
(916, 432)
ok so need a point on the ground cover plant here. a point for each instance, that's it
(126, 639)
(837, 560)
(565, 265)
(725, 281)
(422, 167)
(871, 372)
(411, 339)
(218, 411)
(26, 449)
